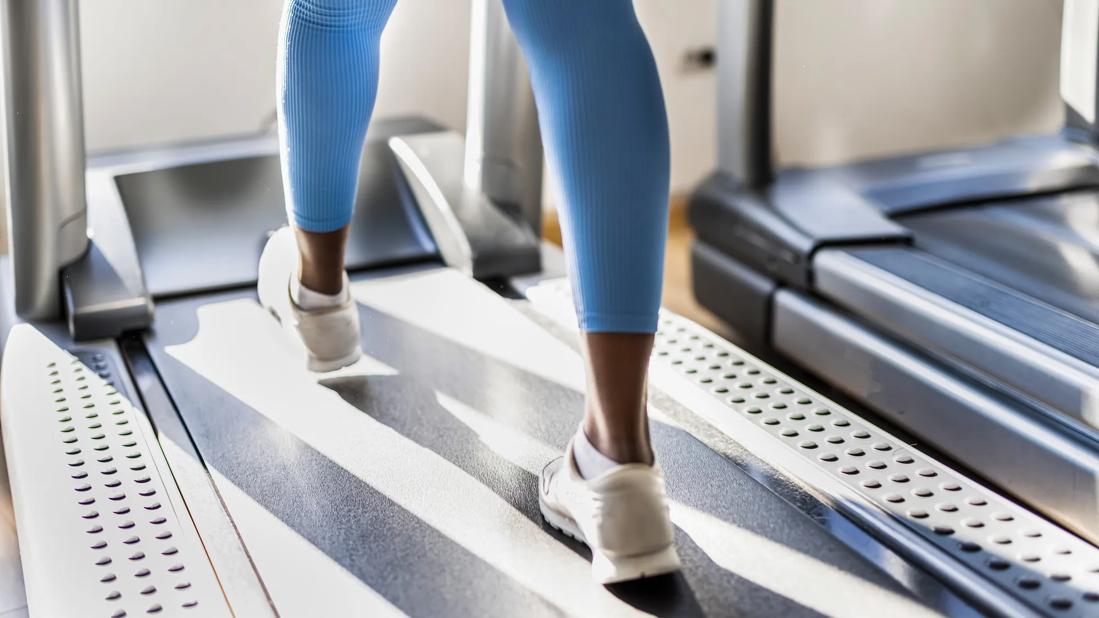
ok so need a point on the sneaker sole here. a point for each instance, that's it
(608, 569)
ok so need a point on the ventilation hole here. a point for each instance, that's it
(94, 530)
(117, 497)
(969, 547)
(1063, 551)
(1060, 603)
(903, 459)
(164, 535)
(762, 396)
(113, 483)
(108, 471)
(90, 515)
(190, 604)
(105, 459)
(147, 590)
(98, 545)
(143, 479)
(877, 465)
(796, 416)
(137, 555)
(122, 510)
(171, 551)
(1033, 534)
(789, 433)
(894, 498)
(943, 530)
(113, 595)
(1001, 540)
(183, 585)
(899, 478)
(770, 421)
(950, 487)
(1091, 597)
(973, 523)
(829, 457)
(849, 470)
(736, 400)
(1030, 558)
(108, 578)
(176, 568)
(1060, 577)
(778, 405)
(157, 521)
(841, 422)
(918, 514)
(922, 493)
(861, 435)
(822, 411)
(871, 484)
(145, 493)
(131, 540)
(856, 452)
(142, 573)
(82, 487)
(86, 501)
(882, 446)
(104, 561)
(815, 428)
(976, 501)
(1028, 583)
(1003, 517)
(126, 525)
(946, 507)
(927, 473)
(754, 410)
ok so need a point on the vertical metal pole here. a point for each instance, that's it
(1080, 68)
(45, 140)
(503, 156)
(744, 33)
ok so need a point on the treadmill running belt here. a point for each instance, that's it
(408, 483)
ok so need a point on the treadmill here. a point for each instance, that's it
(956, 293)
(166, 453)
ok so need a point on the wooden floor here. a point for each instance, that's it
(677, 266)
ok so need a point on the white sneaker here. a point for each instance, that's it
(622, 515)
(330, 335)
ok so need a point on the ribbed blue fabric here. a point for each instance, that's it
(327, 82)
(601, 109)
(603, 120)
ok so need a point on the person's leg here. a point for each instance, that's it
(327, 82)
(603, 120)
(602, 114)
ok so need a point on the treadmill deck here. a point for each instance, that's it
(408, 482)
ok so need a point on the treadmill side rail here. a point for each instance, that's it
(1048, 365)
(473, 234)
(96, 508)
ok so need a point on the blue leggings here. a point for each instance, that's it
(601, 110)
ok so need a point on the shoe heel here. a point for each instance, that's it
(608, 569)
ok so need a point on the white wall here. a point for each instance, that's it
(863, 78)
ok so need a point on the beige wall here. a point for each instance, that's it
(856, 78)
(862, 78)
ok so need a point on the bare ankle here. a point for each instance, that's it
(624, 445)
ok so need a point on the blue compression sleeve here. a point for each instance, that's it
(327, 82)
(602, 114)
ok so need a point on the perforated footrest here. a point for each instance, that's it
(102, 528)
(865, 471)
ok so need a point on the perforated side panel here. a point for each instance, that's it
(1047, 568)
(102, 529)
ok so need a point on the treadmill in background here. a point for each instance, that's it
(955, 292)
